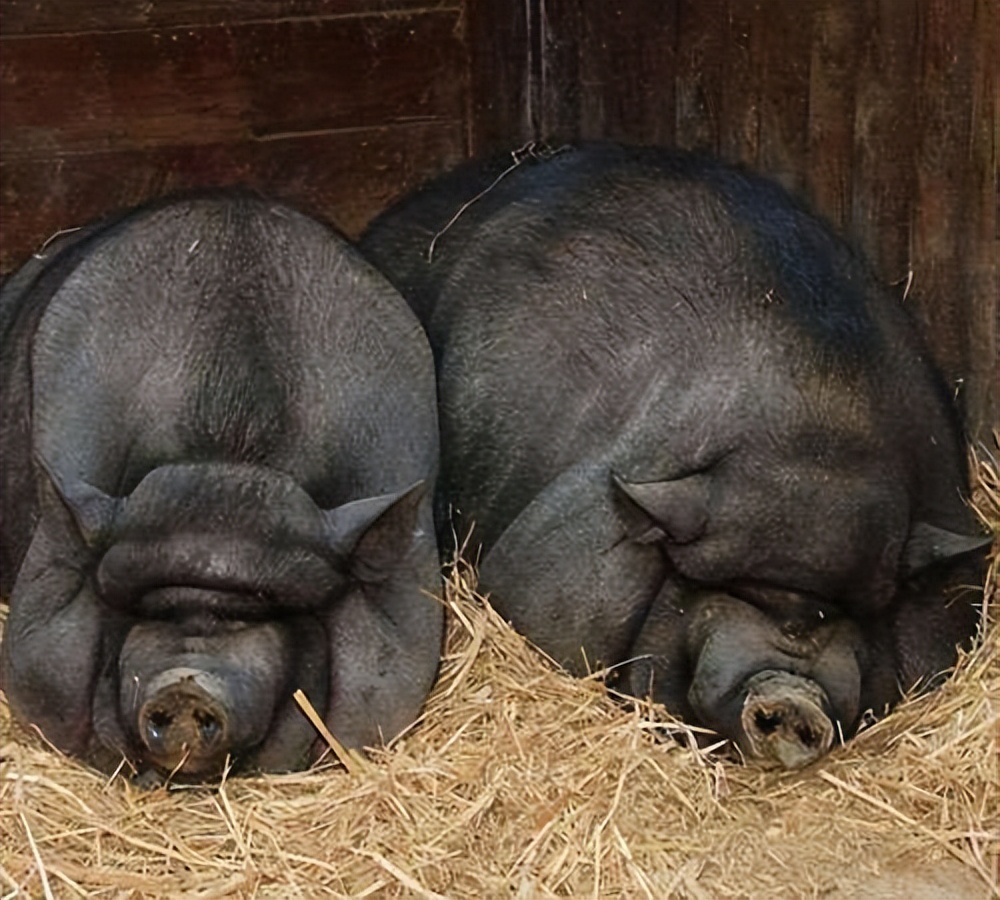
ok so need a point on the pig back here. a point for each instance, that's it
(656, 310)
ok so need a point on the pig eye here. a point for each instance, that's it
(806, 609)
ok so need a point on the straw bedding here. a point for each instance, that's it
(522, 782)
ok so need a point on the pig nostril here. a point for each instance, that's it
(208, 726)
(807, 736)
(157, 723)
(767, 723)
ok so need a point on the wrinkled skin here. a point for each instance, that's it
(698, 442)
(219, 444)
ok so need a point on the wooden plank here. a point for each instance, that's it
(24, 17)
(742, 76)
(213, 84)
(344, 178)
(831, 111)
(498, 113)
(885, 126)
(785, 30)
(561, 47)
(942, 196)
(627, 69)
(700, 63)
(981, 235)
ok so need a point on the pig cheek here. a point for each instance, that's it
(51, 673)
(113, 737)
(292, 742)
(297, 660)
(714, 693)
(838, 670)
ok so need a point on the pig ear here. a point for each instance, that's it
(374, 532)
(928, 544)
(94, 512)
(676, 509)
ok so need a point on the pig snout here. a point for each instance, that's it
(784, 720)
(195, 692)
(779, 697)
(185, 722)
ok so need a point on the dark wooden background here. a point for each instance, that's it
(882, 113)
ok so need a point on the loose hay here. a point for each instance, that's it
(521, 782)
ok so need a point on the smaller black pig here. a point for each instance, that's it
(699, 443)
(218, 449)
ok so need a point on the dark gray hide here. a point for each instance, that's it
(219, 442)
(692, 433)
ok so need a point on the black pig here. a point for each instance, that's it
(219, 443)
(698, 442)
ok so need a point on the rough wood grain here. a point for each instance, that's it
(627, 88)
(561, 45)
(981, 229)
(701, 57)
(740, 126)
(832, 90)
(943, 190)
(22, 17)
(343, 178)
(784, 30)
(885, 129)
(211, 84)
(499, 111)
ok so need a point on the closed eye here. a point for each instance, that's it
(785, 604)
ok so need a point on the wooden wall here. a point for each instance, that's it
(882, 113)
(339, 106)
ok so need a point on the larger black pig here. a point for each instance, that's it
(219, 443)
(698, 442)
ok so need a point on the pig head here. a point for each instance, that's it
(230, 438)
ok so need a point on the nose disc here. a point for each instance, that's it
(185, 728)
(784, 720)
